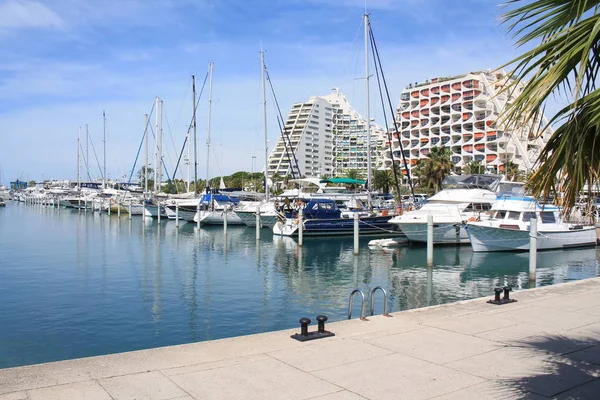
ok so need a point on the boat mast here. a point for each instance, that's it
(210, 74)
(156, 145)
(78, 158)
(195, 139)
(87, 151)
(146, 163)
(368, 127)
(264, 93)
(104, 140)
(160, 145)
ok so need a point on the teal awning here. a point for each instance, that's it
(348, 181)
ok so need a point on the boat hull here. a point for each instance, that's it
(152, 211)
(267, 220)
(491, 238)
(218, 218)
(372, 226)
(443, 233)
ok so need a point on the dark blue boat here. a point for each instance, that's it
(322, 217)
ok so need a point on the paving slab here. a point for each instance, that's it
(325, 354)
(436, 345)
(89, 390)
(490, 391)
(264, 379)
(535, 372)
(590, 355)
(14, 396)
(590, 390)
(144, 386)
(341, 395)
(397, 376)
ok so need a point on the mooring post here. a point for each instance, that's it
(177, 214)
(258, 222)
(158, 211)
(129, 210)
(356, 233)
(430, 240)
(533, 232)
(119, 208)
(225, 221)
(300, 226)
(198, 215)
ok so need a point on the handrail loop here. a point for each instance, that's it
(385, 301)
(363, 315)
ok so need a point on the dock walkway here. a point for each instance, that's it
(546, 345)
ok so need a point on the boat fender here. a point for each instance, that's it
(472, 219)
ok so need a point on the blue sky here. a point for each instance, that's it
(64, 61)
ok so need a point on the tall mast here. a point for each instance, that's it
(156, 145)
(146, 163)
(367, 77)
(87, 151)
(210, 74)
(78, 158)
(160, 146)
(104, 140)
(264, 93)
(195, 138)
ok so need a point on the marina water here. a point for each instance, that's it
(76, 284)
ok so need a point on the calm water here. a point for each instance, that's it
(74, 284)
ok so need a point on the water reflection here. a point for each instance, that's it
(108, 287)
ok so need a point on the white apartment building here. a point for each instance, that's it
(327, 137)
(461, 113)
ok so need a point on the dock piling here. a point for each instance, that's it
(532, 249)
(258, 222)
(356, 233)
(430, 240)
(300, 227)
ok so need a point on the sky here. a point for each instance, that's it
(64, 62)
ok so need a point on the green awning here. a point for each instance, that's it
(348, 181)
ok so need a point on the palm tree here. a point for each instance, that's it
(432, 171)
(353, 174)
(474, 167)
(383, 180)
(511, 170)
(564, 60)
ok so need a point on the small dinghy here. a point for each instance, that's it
(392, 242)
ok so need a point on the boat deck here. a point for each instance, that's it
(547, 344)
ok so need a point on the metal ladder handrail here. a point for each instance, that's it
(363, 308)
(385, 301)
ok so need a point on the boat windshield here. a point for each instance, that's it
(487, 181)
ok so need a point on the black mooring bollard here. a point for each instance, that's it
(507, 290)
(304, 322)
(497, 292)
(322, 319)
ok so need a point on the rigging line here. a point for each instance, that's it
(85, 162)
(96, 156)
(410, 182)
(285, 133)
(286, 137)
(378, 68)
(190, 126)
(172, 140)
(142, 142)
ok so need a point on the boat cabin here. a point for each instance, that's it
(321, 209)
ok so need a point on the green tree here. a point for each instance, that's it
(141, 175)
(564, 59)
(474, 167)
(511, 170)
(353, 174)
(31, 183)
(431, 171)
(383, 180)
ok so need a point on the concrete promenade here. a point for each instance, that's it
(547, 345)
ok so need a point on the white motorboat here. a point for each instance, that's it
(508, 229)
(213, 208)
(462, 198)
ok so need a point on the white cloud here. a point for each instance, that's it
(20, 14)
